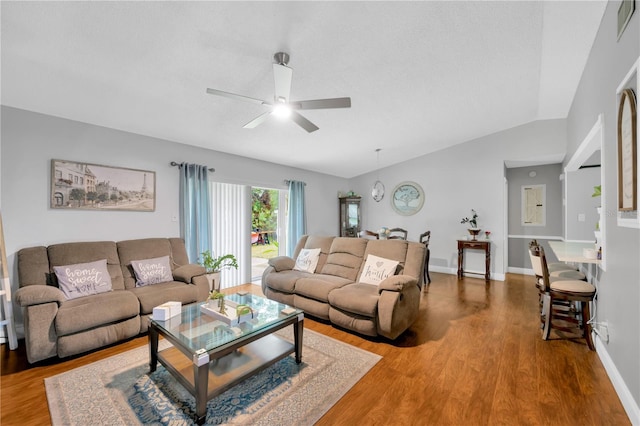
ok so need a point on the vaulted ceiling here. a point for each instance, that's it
(422, 76)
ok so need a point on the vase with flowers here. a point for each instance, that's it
(383, 233)
(473, 224)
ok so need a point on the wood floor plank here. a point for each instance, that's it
(474, 357)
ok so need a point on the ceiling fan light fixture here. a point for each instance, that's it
(282, 107)
(282, 111)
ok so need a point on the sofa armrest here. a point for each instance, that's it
(397, 283)
(38, 295)
(185, 273)
(282, 263)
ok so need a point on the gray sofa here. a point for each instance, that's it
(57, 326)
(333, 292)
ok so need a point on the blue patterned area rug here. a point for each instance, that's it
(120, 391)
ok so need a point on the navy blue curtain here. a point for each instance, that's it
(297, 225)
(195, 209)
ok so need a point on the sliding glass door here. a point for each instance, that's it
(267, 228)
(249, 223)
(231, 216)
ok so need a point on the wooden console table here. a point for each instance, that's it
(478, 245)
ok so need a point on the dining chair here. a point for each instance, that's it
(564, 302)
(425, 237)
(397, 234)
(365, 233)
(561, 269)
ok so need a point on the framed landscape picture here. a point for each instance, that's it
(89, 186)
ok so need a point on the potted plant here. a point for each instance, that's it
(214, 265)
(597, 192)
(473, 224)
(214, 296)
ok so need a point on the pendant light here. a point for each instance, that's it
(377, 191)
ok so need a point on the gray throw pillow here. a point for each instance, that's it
(83, 279)
(152, 271)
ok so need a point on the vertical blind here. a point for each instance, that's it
(231, 229)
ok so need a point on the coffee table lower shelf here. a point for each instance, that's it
(229, 370)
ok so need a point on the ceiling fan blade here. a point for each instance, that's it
(303, 122)
(282, 76)
(258, 120)
(236, 97)
(322, 103)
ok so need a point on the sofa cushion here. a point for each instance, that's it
(345, 257)
(321, 242)
(33, 266)
(389, 249)
(94, 311)
(186, 273)
(83, 279)
(179, 252)
(284, 281)
(154, 295)
(318, 286)
(360, 299)
(141, 249)
(152, 271)
(84, 252)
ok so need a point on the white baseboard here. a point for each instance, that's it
(628, 402)
(521, 271)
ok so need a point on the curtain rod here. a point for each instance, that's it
(286, 182)
(174, 164)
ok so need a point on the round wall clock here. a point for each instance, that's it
(377, 191)
(407, 198)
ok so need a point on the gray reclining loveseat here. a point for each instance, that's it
(57, 325)
(334, 290)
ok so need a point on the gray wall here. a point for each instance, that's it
(455, 180)
(619, 286)
(580, 185)
(31, 140)
(519, 235)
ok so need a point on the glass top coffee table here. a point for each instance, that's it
(208, 356)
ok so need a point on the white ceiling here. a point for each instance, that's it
(421, 75)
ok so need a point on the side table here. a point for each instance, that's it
(477, 245)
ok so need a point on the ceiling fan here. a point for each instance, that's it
(282, 106)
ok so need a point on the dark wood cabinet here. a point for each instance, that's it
(350, 216)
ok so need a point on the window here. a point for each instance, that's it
(533, 205)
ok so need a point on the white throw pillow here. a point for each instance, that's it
(152, 271)
(307, 260)
(83, 279)
(377, 269)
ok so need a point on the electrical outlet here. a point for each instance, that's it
(581, 217)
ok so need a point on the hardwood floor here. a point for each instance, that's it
(474, 357)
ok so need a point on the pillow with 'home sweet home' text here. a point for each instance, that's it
(152, 271)
(83, 279)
